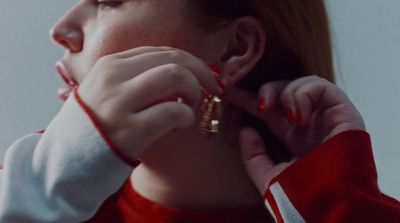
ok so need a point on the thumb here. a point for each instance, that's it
(256, 161)
(258, 164)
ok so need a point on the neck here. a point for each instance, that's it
(187, 170)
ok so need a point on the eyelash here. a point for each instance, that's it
(108, 4)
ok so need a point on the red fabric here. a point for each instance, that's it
(128, 206)
(337, 182)
(273, 205)
(112, 146)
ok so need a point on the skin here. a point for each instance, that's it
(180, 168)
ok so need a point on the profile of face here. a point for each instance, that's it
(92, 29)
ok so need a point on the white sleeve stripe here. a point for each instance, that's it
(270, 210)
(286, 208)
(61, 176)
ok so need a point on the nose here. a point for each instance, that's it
(68, 32)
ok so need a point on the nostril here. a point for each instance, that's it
(64, 43)
(59, 38)
(70, 38)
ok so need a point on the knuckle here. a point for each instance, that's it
(172, 68)
(166, 48)
(302, 98)
(176, 74)
(175, 56)
(180, 113)
(174, 112)
(301, 91)
(319, 78)
(309, 78)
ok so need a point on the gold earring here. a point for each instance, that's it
(212, 112)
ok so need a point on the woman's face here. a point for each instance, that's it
(94, 28)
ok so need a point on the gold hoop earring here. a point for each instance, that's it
(212, 113)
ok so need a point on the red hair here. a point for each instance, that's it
(298, 44)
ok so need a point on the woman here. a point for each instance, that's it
(133, 98)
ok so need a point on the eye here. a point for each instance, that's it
(108, 3)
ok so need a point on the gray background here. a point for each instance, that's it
(367, 48)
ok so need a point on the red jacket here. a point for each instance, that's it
(72, 172)
(336, 182)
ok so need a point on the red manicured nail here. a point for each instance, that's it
(217, 71)
(220, 84)
(261, 104)
(299, 118)
(215, 68)
(289, 115)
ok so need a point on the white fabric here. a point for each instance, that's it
(286, 209)
(63, 175)
(270, 210)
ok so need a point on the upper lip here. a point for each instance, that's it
(65, 74)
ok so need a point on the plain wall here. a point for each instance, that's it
(367, 44)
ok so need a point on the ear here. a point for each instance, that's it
(244, 49)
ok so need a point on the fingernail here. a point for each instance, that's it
(216, 72)
(205, 91)
(215, 68)
(220, 84)
(261, 104)
(289, 115)
(299, 118)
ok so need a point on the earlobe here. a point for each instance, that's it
(244, 49)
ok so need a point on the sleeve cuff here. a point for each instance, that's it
(112, 146)
(311, 184)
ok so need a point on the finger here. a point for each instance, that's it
(158, 83)
(139, 50)
(257, 162)
(317, 93)
(158, 120)
(244, 100)
(140, 63)
(275, 120)
(271, 93)
(304, 101)
(296, 108)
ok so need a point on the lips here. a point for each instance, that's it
(64, 92)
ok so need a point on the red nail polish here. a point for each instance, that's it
(289, 115)
(299, 118)
(215, 68)
(205, 91)
(261, 104)
(220, 84)
(217, 71)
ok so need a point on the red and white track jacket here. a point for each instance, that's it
(65, 173)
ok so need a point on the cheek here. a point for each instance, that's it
(118, 37)
(124, 38)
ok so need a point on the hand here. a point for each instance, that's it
(133, 94)
(321, 108)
